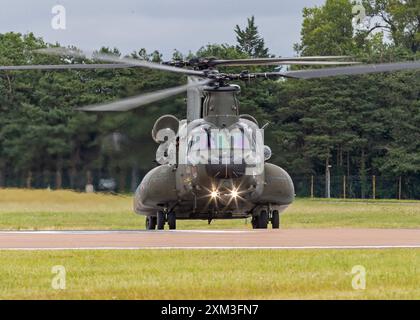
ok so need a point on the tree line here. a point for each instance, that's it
(359, 126)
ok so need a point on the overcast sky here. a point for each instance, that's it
(157, 24)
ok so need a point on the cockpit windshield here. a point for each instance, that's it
(240, 137)
(210, 145)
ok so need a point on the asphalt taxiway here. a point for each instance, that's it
(212, 239)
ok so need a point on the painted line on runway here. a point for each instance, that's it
(222, 248)
(96, 232)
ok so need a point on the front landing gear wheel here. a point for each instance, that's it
(151, 223)
(254, 222)
(172, 220)
(275, 220)
(161, 219)
(260, 221)
(263, 220)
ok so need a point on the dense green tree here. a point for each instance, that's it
(327, 30)
(250, 41)
(348, 121)
(399, 18)
(362, 126)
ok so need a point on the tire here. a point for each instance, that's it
(254, 222)
(151, 223)
(172, 220)
(147, 223)
(263, 220)
(275, 220)
(161, 220)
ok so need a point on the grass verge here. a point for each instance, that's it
(59, 210)
(201, 274)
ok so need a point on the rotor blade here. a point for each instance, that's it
(116, 59)
(66, 67)
(269, 61)
(317, 63)
(143, 99)
(353, 70)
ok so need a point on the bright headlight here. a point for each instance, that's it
(234, 193)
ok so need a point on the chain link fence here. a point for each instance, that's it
(119, 182)
(126, 181)
(356, 187)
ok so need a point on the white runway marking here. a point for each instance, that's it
(219, 248)
(93, 232)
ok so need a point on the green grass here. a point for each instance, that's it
(58, 210)
(201, 274)
(240, 274)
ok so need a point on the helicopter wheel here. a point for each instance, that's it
(263, 220)
(161, 220)
(275, 220)
(172, 220)
(260, 221)
(151, 223)
(254, 222)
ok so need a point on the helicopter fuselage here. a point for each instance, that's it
(184, 191)
(214, 166)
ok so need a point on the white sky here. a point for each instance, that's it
(157, 24)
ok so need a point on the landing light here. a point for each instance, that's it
(234, 193)
(214, 194)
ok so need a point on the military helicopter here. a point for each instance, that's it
(213, 164)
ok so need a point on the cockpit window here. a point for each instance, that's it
(242, 136)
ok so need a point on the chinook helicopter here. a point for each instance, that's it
(213, 164)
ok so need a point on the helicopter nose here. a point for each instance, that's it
(226, 171)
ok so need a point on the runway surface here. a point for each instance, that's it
(202, 239)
